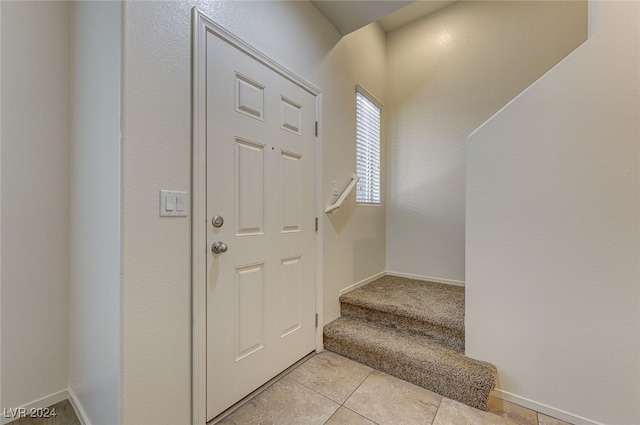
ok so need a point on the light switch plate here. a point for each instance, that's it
(173, 203)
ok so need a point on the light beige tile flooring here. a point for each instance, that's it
(333, 390)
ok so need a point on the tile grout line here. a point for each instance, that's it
(288, 374)
(227, 414)
(319, 393)
(345, 400)
(332, 415)
(359, 385)
(437, 410)
(361, 415)
(353, 392)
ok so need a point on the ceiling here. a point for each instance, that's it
(350, 15)
(410, 13)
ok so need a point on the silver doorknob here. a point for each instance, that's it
(219, 247)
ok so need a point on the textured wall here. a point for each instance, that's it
(447, 74)
(553, 231)
(1, 212)
(156, 264)
(35, 200)
(94, 350)
(353, 237)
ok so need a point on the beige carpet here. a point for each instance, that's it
(413, 330)
(430, 309)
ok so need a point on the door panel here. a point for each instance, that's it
(249, 188)
(291, 179)
(261, 180)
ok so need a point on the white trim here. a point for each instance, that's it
(209, 25)
(361, 283)
(198, 224)
(50, 400)
(398, 274)
(543, 408)
(427, 278)
(77, 407)
(200, 26)
(371, 97)
(40, 403)
(1, 404)
(319, 238)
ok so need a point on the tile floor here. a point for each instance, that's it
(333, 390)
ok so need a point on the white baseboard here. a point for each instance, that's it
(504, 395)
(77, 407)
(36, 404)
(50, 400)
(398, 274)
(426, 278)
(543, 408)
(362, 282)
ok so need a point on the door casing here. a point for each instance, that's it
(200, 26)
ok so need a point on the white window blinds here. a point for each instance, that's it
(367, 148)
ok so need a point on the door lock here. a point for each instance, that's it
(217, 221)
(219, 247)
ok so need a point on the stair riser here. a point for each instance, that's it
(444, 384)
(447, 337)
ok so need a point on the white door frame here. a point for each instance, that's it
(200, 26)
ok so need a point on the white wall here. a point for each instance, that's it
(553, 231)
(448, 73)
(156, 266)
(355, 236)
(1, 405)
(94, 362)
(35, 200)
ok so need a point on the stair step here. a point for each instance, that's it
(433, 310)
(414, 359)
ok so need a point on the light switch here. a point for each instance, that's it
(179, 203)
(173, 203)
(168, 202)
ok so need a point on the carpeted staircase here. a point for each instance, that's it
(413, 330)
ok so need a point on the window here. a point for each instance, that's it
(368, 112)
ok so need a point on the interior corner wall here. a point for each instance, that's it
(35, 201)
(553, 233)
(156, 154)
(354, 237)
(94, 360)
(447, 74)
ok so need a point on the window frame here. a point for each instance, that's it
(374, 178)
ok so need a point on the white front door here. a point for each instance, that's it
(260, 139)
